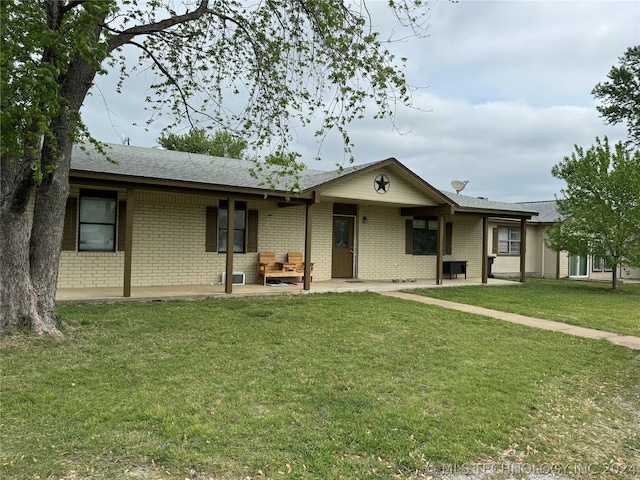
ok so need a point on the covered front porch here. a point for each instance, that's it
(192, 292)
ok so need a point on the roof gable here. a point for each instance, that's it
(387, 181)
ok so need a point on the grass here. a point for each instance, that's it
(586, 304)
(318, 386)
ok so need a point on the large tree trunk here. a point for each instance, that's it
(47, 229)
(30, 259)
(18, 297)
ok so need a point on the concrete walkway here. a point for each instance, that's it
(622, 340)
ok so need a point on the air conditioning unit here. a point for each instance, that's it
(238, 278)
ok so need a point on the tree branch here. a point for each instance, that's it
(125, 36)
(167, 74)
(71, 5)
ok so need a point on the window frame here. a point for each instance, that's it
(223, 208)
(510, 251)
(107, 195)
(430, 236)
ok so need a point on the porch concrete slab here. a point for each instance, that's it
(147, 293)
(617, 339)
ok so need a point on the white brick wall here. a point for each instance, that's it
(169, 244)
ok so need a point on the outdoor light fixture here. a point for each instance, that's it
(365, 219)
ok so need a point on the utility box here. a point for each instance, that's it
(238, 278)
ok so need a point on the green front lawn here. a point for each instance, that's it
(318, 386)
(586, 304)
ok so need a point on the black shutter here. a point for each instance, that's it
(122, 225)
(211, 234)
(409, 237)
(69, 234)
(448, 238)
(252, 231)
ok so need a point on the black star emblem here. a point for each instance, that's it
(381, 184)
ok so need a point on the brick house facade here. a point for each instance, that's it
(155, 217)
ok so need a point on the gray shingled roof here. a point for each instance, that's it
(547, 211)
(159, 164)
(466, 201)
(155, 163)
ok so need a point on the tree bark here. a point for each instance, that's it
(47, 229)
(30, 256)
(18, 297)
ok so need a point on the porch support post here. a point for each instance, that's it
(440, 249)
(485, 245)
(523, 249)
(228, 284)
(307, 245)
(128, 242)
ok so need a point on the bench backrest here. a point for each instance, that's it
(267, 261)
(298, 259)
(295, 257)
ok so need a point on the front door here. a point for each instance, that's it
(342, 250)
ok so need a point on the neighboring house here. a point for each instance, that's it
(159, 217)
(541, 261)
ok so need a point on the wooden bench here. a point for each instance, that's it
(268, 267)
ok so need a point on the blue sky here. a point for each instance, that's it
(505, 95)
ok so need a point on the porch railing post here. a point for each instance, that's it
(440, 249)
(523, 250)
(307, 245)
(231, 213)
(485, 244)
(128, 242)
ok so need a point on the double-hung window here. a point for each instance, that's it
(97, 232)
(508, 241)
(239, 228)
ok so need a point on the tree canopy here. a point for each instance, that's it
(600, 205)
(219, 144)
(621, 94)
(250, 67)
